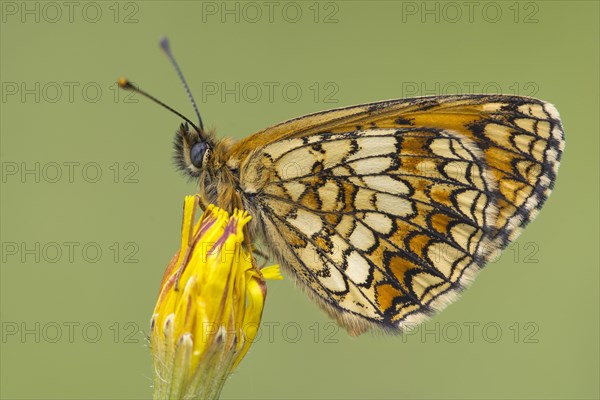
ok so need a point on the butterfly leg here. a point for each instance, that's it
(201, 203)
(259, 253)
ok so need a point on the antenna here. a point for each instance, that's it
(125, 84)
(164, 43)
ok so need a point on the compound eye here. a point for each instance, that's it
(197, 153)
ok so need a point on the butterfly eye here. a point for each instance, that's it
(197, 153)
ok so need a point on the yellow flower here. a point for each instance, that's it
(209, 307)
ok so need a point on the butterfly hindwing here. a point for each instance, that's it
(384, 211)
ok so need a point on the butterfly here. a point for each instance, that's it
(383, 212)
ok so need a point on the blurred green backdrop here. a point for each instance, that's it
(91, 205)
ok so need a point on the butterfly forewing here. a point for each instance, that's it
(384, 211)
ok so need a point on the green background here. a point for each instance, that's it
(542, 293)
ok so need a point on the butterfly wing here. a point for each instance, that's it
(384, 211)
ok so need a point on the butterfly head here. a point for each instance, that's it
(192, 150)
